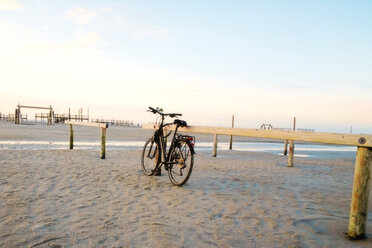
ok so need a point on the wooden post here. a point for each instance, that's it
(231, 137)
(291, 153)
(19, 116)
(361, 187)
(15, 116)
(49, 118)
(285, 148)
(71, 143)
(291, 146)
(215, 141)
(103, 142)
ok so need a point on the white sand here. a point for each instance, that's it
(64, 198)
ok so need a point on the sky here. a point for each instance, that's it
(261, 61)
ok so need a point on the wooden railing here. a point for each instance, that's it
(103, 127)
(363, 163)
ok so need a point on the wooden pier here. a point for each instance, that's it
(11, 117)
(50, 117)
(62, 118)
(18, 116)
(271, 127)
(122, 123)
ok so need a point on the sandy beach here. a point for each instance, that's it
(72, 198)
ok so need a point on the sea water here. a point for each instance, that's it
(301, 150)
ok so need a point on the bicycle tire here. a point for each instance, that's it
(181, 163)
(150, 158)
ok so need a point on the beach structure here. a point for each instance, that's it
(11, 117)
(121, 123)
(103, 127)
(285, 153)
(43, 117)
(49, 115)
(266, 126)
(62, 118)
(363, 163)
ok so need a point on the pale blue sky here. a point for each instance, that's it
(263, 61)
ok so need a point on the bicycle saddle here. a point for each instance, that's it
(180, 123)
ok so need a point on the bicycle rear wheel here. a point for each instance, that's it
(150, 159)
(181, 163)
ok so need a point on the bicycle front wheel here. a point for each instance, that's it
(181, 163)
(150, 159)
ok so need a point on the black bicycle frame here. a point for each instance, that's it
(160, 137)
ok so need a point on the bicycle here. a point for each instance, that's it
(178, 160)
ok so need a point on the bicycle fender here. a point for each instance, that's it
(191, 146)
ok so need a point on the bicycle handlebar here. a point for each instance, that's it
(172, 115)
(154, 111)
(157, 111)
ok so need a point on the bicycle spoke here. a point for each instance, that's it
(178, 174)
(150, 158)
(182, 161)
(186, 153)
(153, 155)
(148, 154)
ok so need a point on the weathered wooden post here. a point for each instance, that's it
(291, 146)
(49, 118)
(215, 141)
(361, 187)
(231, 137)
(19, 115)
(51, 115)
(285, 148)
(15, 116)
(103, 142)
(71, 141)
